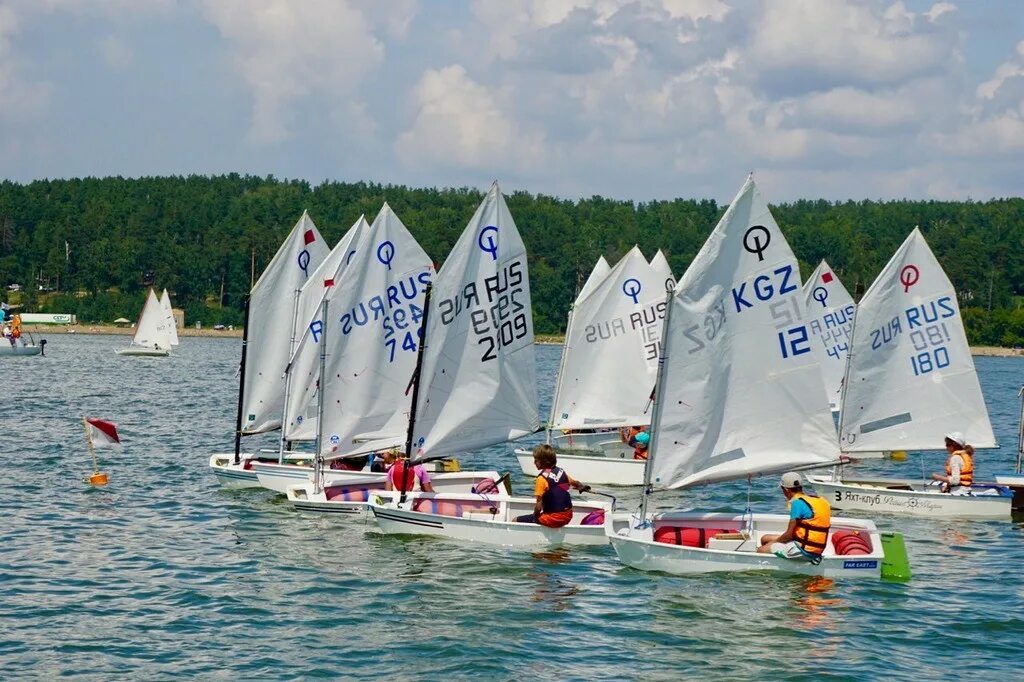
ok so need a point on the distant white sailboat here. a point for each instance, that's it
(910, 380)
(663, 269)
(609, 365)
(152, 333)
(739, 394)
(265, 350)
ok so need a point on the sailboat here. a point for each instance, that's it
(265, 350)
(910, 379)
(152, 333)
(829, 309)
(739, 394)
(368, 343)
(608, 368)
(478, 387)
(165, 304)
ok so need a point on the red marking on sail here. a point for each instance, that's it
(102, 432)
(826, 277)
(329, 282)
(309, 237)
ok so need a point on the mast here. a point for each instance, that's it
(1020, 431)
(288, 374)
(319, 459)
(241, 383)
(561, 366)
(659, 384)
(407, 469)
(846, 375)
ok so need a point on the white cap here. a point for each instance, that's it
(957, 438)
(791, 480)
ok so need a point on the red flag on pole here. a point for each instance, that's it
(102, 433)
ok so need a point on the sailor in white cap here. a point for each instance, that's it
(810, 518)
(959, 464)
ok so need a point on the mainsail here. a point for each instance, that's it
(829, 309)
(479, 376)
(611, 349)
(601, 268)
(271, 310)
(372, 333)
(165, 303)
(911, 377)
(743, 393)
(152, 329)
(664, 270)
(300, 404)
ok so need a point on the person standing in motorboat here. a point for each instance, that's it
(642, 440)
(810, 518)
(959, 465)
(399, 479)
(554, 503)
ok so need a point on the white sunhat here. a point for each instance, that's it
(791, 480)
(957, 438)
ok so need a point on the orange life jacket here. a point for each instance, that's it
(966, 471)
(812, 534)
(640, 453)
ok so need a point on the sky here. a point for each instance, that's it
(631, 99)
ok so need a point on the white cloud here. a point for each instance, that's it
(462, 123)
(295, 55)
(21, 98)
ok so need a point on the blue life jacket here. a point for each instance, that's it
(557, 497)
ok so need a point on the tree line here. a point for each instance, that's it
(91, 246)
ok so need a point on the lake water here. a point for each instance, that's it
(162, 574)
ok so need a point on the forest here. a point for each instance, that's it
(92, 246)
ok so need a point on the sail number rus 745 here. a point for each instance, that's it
(498, 311)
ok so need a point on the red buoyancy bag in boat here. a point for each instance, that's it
(851, 542)
(485, 487)
(439, 507)
(688, 537)
(594, 518)
(347, 494)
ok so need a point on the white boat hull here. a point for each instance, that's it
(241, 475)
(636, 548)
(911, 498)
(606, 442)
(592, 469)
(280, 477)
(474, 521)
(7, 350)
(140, 351)
(304, 496)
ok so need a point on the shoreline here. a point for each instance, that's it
(542, 339)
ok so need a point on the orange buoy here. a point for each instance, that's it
(99, 478)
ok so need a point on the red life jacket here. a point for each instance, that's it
(400, 479)
(557, 497)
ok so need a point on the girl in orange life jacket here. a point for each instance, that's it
(810, 518)
(554, 505)
(397, 476)
(643, 439)
(959, 463)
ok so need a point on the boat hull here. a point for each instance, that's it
(636, 548)
(138, 351)
(304, 496)
(592, 469)
(243, 474)
(478, 524)
(9, 351)
(911, 498)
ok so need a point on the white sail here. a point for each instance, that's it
(911, 378)
(152, 330)
(829, 309)
(661, 266)
(271, 310)
(611, 349)
(601, 268)
(479, 377)
(165, 303)
(372, 328)
(300, 402)
(743, 393)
